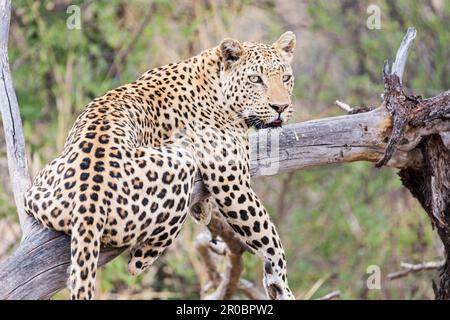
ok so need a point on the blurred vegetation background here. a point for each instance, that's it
(334, 221)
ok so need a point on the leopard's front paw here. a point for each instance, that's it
(276, 288)
(278, 291)
(134, 269)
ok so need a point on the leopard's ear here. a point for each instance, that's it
(286, 45)
(231, 51)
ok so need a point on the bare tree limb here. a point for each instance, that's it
(202, 244)
(234, 249)
(410, 268)
(12, 123)
(331, 295)
(221, 240)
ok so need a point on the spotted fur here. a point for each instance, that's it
(125, 176)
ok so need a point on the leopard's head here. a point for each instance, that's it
(257, 80)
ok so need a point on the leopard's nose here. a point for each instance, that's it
(278, 107)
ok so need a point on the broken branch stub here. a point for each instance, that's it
(393, 94)
(398, 66)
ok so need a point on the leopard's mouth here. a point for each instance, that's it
(275, 124)
(255, 122)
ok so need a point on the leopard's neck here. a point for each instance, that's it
(191, 88)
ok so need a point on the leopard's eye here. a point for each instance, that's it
(287, 77)
(255, 79)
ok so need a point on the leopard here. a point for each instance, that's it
(130, 165)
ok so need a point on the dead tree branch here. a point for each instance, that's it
(220, 240)
(12, 123)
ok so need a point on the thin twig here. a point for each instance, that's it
(414, 268)
(331, 295)
(344, 106)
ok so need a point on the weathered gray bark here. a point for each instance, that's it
(37, 269)
(12, 124)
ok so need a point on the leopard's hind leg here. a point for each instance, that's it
(171, 174)
(73, 203)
